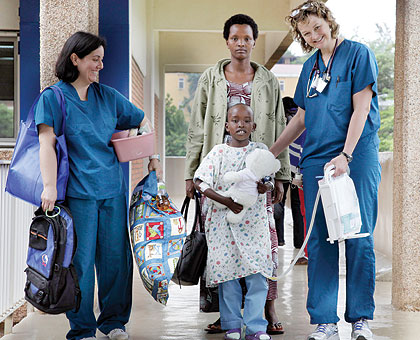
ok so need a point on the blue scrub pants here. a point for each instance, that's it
(323, 273)
(102, 243)
(230, 302)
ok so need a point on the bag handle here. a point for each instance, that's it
(197, 218)
(61, 101)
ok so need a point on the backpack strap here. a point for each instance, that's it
(77, 287)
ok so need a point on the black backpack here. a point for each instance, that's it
(52, 284)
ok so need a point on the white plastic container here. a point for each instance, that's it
(341, 206)
(131, 148)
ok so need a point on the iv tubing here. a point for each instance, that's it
(299, 254)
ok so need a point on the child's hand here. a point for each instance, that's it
(262, 188)
(235, 207)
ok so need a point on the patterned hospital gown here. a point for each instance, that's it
(234, 250)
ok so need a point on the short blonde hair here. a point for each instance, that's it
(301, 14)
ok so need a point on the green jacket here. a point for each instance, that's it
(209, 109)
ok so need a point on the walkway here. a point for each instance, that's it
(181, 319)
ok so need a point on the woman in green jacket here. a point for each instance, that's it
(230, 81)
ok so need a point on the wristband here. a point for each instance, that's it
(204, 186)
(271, 184)
(156, 156)
(348, 157)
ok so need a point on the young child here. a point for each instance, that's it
(239, 250)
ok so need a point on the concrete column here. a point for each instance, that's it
(59, 19)
(406, 192)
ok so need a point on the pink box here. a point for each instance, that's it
(131, 148)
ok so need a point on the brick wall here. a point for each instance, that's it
(137, 166)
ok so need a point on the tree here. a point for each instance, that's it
(192, 80)
(176, 129)
(384, 49)
(6, 122)
(386, 131)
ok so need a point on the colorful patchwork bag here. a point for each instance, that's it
(157, 236)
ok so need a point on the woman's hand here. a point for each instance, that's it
(48, 198)
(154, 165)
(189, 188)
(340, 164)
(278, 191)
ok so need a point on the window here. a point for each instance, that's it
(281, 82)
(181, 83)
(8, 90)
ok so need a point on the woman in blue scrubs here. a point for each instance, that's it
(96, 192)
(338, 107)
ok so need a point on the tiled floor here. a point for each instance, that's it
(181, 319)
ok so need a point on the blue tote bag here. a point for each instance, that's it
(24, 179)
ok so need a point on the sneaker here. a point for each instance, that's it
(118, 334)
(361, 330)
(90, 338)
(325, 331)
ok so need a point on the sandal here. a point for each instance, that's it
(233, 334)
(258, 336)
(275, 328)
(214, 328)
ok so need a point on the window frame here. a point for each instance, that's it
(282, 85)
(181, 80)
(7, 36)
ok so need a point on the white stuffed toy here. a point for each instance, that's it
(258, 164)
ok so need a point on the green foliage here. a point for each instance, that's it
(176, 129)
(386, 132)
(384, 49)
(192, 80)
(6, 122)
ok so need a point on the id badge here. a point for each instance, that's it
(321, 84)
(315, 81)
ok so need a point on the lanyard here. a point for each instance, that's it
(317, 83)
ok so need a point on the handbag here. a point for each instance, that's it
(24, 179)
(193, 258)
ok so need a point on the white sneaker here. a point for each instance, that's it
(325, 331)
(90, 338)
(118, 334)
(361, 330)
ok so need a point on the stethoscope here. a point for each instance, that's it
(317, 83)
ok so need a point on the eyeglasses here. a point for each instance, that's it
(303, 8)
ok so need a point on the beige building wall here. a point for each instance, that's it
(176, 85)
(289, 86)
(9, 15)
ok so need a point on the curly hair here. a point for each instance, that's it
(240, 19)
(301, 14)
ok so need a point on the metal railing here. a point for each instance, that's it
(15, 218)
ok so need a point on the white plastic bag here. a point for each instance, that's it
(341, 206)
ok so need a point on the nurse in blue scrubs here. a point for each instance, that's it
(338, 107)
(96, 192)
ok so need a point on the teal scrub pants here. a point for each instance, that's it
(323, 275)
(230, 302)
(102, 243)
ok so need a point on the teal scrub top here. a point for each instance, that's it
(95, 172)
(327, 116)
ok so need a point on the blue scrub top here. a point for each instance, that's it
(95, 172)
(327, 116)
